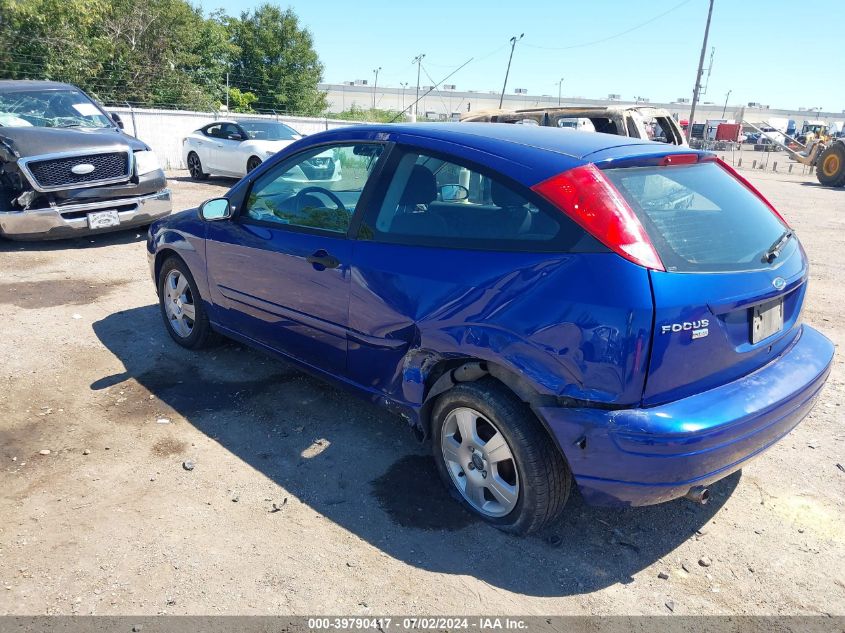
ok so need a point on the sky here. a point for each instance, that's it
(776, 53)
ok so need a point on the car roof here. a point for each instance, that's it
(11, 85)
(525, 153)
(489, 136)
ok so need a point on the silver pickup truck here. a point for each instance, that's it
(67, 168)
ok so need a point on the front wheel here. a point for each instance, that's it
(181, 306)
(496, 458)
(252, 163)
(195, 167)
(830, 168)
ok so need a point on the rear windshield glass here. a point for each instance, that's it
(700, 218)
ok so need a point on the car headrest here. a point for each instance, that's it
(421, 187)
(503, 196)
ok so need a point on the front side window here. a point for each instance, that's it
(432, 201)
(316, 189)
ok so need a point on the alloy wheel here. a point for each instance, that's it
(480, 462)
(194, 166)
(179, 303)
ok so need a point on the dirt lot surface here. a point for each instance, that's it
(303, 500)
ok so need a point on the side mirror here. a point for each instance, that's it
(235, 137)
(116, 118)
(453, 193)
(215, 209)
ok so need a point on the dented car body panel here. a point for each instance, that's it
(574, 334)
(642, 122)
(62, 158)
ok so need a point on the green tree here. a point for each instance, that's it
(277, 61)
(241, 101)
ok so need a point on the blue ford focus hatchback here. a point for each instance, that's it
(545, 306)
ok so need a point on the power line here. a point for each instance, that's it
(611, 37)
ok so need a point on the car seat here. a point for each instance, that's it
(412, 216)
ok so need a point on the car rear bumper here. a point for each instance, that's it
(71, 220)
(650, 455)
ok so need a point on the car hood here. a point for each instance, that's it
(35, 141)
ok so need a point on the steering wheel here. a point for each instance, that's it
(318, 190)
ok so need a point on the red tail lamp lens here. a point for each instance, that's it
(591, 200)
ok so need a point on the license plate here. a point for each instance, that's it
(103, 219)
(766, 320)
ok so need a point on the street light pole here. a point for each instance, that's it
(514, 40)
(375, 86)
(559, 84)
(725, 109)
(418, 61)
(697, 88)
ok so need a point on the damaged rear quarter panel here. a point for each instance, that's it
(547, 317)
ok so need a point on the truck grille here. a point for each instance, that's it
(56, 173)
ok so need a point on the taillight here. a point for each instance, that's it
(679, 159)
(589, 198)
(733, 172)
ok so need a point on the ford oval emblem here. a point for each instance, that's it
(778, 283)
(82, 169)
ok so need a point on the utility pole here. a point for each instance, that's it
(404, 85)
(418, 61)
(375, 86)
(514, 40)
(559, 84)
(697, 87)
(725, 109)
(227, 92)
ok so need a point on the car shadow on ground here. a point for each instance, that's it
(215, 181)
(360, 467)
(96, 240)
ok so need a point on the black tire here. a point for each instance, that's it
(195, 167)
(201, 335)
(544, 477)
(830, 166)
(252, 163)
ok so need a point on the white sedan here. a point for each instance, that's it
(234, 148)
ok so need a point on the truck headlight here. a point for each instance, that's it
(145, 162)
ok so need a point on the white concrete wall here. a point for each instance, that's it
(163, 130)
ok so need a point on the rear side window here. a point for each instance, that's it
(435, 202)
(699, 217)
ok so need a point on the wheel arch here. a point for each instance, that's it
(174, 245)
(447, 373)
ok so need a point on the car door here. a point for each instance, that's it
(279, 270)
(234, 157)
(222, 147)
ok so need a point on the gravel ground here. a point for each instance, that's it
(303, 500)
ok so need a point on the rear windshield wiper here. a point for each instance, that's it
(775, 249)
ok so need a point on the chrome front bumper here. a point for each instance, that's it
(71, 221)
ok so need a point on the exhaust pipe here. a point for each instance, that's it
(698, 494)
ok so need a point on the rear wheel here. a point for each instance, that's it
(182, 307)
(830, 168)
(496, 458)
(252, 163)
(195, 167)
